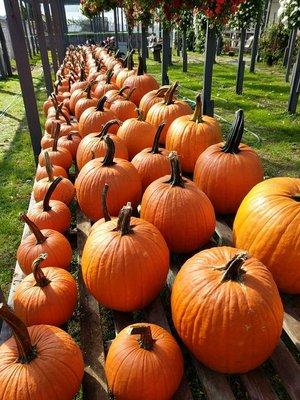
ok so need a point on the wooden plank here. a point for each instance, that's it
(288, 370)
(224, 233)
(94, 382)
(291, 322)
(258, 386)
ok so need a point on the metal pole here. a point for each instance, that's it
(50, 35)
(184, 51)
(165, 57)
(122, 24)
(255, 44)
(30, 29)
(43, 45)
(5, 53)
(24, 71)
(290, 54)
(286, 50)
(295, 87)
(241, 64)
(210, 51)
(59, 36)
(116, 27)
(63, 20)
(25, 30)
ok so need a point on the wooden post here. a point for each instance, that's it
(43, 45)
(210, 51)
(5, 53)
(286, 50)
(295, 87)
(33, 46)
(144, 42)
(2, 69)
(241, 64)
(122, 24)
(165, 56)
(184, 51)
(290, 54)
(178, 43)
(116, 27)
(59, 36)
(24, 71)
(63, 19)
(50, 35)
(255, 44)
(25, 30)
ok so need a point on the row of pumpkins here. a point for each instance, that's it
(224, 302)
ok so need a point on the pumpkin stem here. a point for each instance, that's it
(169, 96)
(124, 218)
(49, 168)
(176, 176)
(108, 160)
(140, 115)
(109, 75)
(122, 90)
(56, 137)
(52, 187)
(197, 117)
(296, 197)
(89, 89)
(26, 351)
(146, 340)
(58, 110)
(40, 238)
(155, 146)
(162, 91)
(38, 273)
(105, 211)
(101, 102)
(105, 127)
(82, 75)
(71, 134)
(141, 67)
(130, 93)
(233, 271)
(65, 117)
(130, 63)
(235, 136)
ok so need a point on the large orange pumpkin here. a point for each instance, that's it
(267, 225)
(122, 177)
(124, 108)
(70, 142)
(179, 209)
(126, 72)
(190, 135)
(140, 354)
(40, 362)
(57, 155)
(85, 102)
(167, 111)
(151, 98)
(47, 296)
(105, 86)
(226, 172)
(125, 262)
(224, 305)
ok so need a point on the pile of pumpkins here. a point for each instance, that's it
(133, 145)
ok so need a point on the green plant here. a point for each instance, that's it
(273, 43)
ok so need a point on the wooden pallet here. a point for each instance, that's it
(256, 384)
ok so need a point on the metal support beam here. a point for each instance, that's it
(59, 35)
(210, 51)
(51, 37)
(116, 28)
(64, 24)
(165, 57)
(5, 53)
(23, 66)
(290, 54)
(32, 41)
(25, 29)
(295, 87)
(241, 64)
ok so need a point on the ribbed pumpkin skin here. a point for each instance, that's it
(190, 139)
(64, 192)
(267, 225)
(126, 364)
(76, 96)
(184, 216)
(127, 272)
(161, 112)
(55, 374)
(58, 218)
(138, 135)
(148, 100)
(62, 157)
(92, 121)
(142, 84)
(82, 105)
(56, 246)
(92, 144)
(70, 143)
(226, 178)
(123, 75)
(51, 305)
(41, 172)
(124, 185)
(124, 109)
(222, 323)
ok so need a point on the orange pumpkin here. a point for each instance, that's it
(167, 111)
(223, 300)
(142, 82)
(84, 103)
(152, 163)
(180, 210)
(227, 172)
(105, 86)
(124, 108)
(151, 98)
(137, 355)
(115, 94)
(41, 172)
(106, 214)
(76, 96)
(47, 296)
(81, 83)
(267, 225)
(93, 145)
(122, 177)
(52, 214)
(190, 135)
(70, 142)
(43, 241)
(44, 360)
(126, 72)
(136, 260)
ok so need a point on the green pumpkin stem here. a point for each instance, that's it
(105, 211)
(26, 351)
(233, 269)
(155, 146)
(108, 160)
(40, 238)
(235, 136)
(176, 175)
(123, 225)
(56, 136)
(169, 96)
(197, 117)
(101, 102)
(49, 168)
(146, 340)
(141, 67)
(105, 128)
(38, 273)
(52, 187)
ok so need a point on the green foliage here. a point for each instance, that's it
(273, 43)
(289, 13)
(200, 32)
(247, 14)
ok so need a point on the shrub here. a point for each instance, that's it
(273, 43)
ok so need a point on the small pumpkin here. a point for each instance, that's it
(43, 360)
(126, 72)
(70, 142)
(121, 175)
(222, 300)
(115, 94)
(151, 98)
(137, 355)
(190, 135)
(41, 172)
(134, 255)
(85, 102)
(179, 209)
(152, 163)
(46, 296)
(267, 225)
(43, 241)
(227, 172)
(81, 83)
(77, 95)
(124, 108)
(105, 86)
